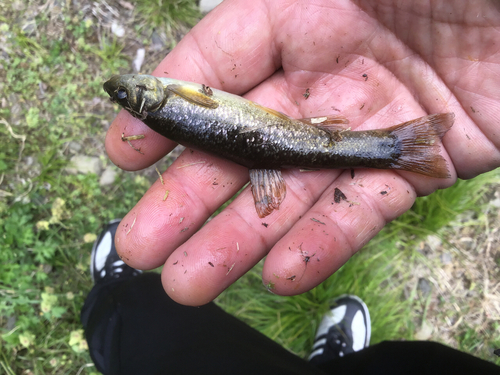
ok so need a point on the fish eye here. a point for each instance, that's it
(121, 94)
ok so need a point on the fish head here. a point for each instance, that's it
(138, 94)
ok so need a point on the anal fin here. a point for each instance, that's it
(268, 189)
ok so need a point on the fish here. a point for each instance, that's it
(266, 141)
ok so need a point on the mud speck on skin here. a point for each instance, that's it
(338, 196)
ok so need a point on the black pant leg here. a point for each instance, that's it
(410, 358)
(133, 327)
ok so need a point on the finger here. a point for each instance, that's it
(235, 240)
(335, 228)
(229, 49)
(134, 154)
(176, 206)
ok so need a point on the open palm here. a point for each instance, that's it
(379, 63)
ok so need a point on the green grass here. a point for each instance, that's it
(48, 85)
(166, 15)
(44, 276)
(46, 214)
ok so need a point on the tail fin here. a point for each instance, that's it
(420, 144)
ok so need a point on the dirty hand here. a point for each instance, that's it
(377, 64)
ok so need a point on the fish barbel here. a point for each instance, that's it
(265, 140)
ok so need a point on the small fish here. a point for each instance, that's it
(265, 140)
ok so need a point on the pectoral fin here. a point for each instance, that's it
(193, 96)
(268, 189)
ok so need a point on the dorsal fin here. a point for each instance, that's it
(193, 96)
(329, 123)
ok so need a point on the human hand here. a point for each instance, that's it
(379, 63)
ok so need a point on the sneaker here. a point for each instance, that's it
(105, 264)
(345, 329)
